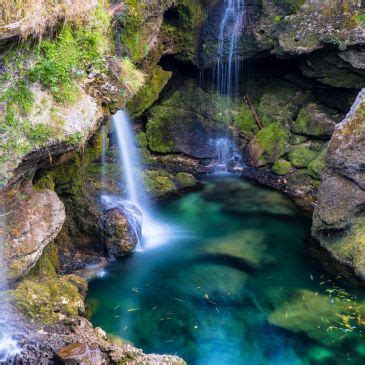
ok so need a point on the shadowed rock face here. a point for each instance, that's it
(34, 220)
(339, 219)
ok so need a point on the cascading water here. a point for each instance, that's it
(153, 232)
(227, 69)
(8, 345)
(227, 73)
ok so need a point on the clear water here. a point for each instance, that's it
(211, 293)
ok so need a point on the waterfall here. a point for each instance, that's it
(227, 69)
(227, 154)
(153, 232)
(226, 74)
(8, 345)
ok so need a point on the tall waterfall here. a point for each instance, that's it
(8, 345)
(227, 69)
(153, 231)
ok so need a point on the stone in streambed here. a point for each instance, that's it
(247, 245)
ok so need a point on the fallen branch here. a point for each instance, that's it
(253, 111)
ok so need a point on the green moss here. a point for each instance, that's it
(161, 120)
(141, 140)
(301, 155)
(281, 167)
(272, 143)
(43, 296)
(185, 180)
(159, 182)
(316, 167)
(277, 102)
(150, 92)
(19, 96)
(131, 36)
(245, 120)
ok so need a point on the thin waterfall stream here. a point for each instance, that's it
(136, 203)
(226, 73)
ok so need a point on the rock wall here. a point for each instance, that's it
(339, 219)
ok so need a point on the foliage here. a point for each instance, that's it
(64, 59)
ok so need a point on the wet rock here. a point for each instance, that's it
(80, 354)
(120, 236)
(34, 219)
(338, 220)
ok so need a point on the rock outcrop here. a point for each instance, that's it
(339, 218)
(34, 218)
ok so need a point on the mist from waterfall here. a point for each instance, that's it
(153, 232)
(8, 345)
(227, 69)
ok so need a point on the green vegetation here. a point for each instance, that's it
(281, 167)
(150, 92)
(271, 143)
(44, 296)
(316, 167)
(301, 155)
(62, 60)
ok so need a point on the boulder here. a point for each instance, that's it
(314, 121)
(33, 220)
(339, 219)
(120, 232)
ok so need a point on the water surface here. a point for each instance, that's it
(235, 286)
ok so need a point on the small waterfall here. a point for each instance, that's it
(8, 345)
(227, 69)
(223, 148)
(227, 155)
(153, 231)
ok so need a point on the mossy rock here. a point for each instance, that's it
(314, 121)
(316, 167)
(177, 130)
(278, 102)
(268, 145)
(44, 296)
(150, 92)
(302, 155)
(281, 167)
(159, 182)
(185, 180)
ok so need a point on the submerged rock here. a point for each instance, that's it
(79, 353)
(328, 320)
(339, 221)
(121, 234)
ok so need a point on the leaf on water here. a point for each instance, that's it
(132, 309)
